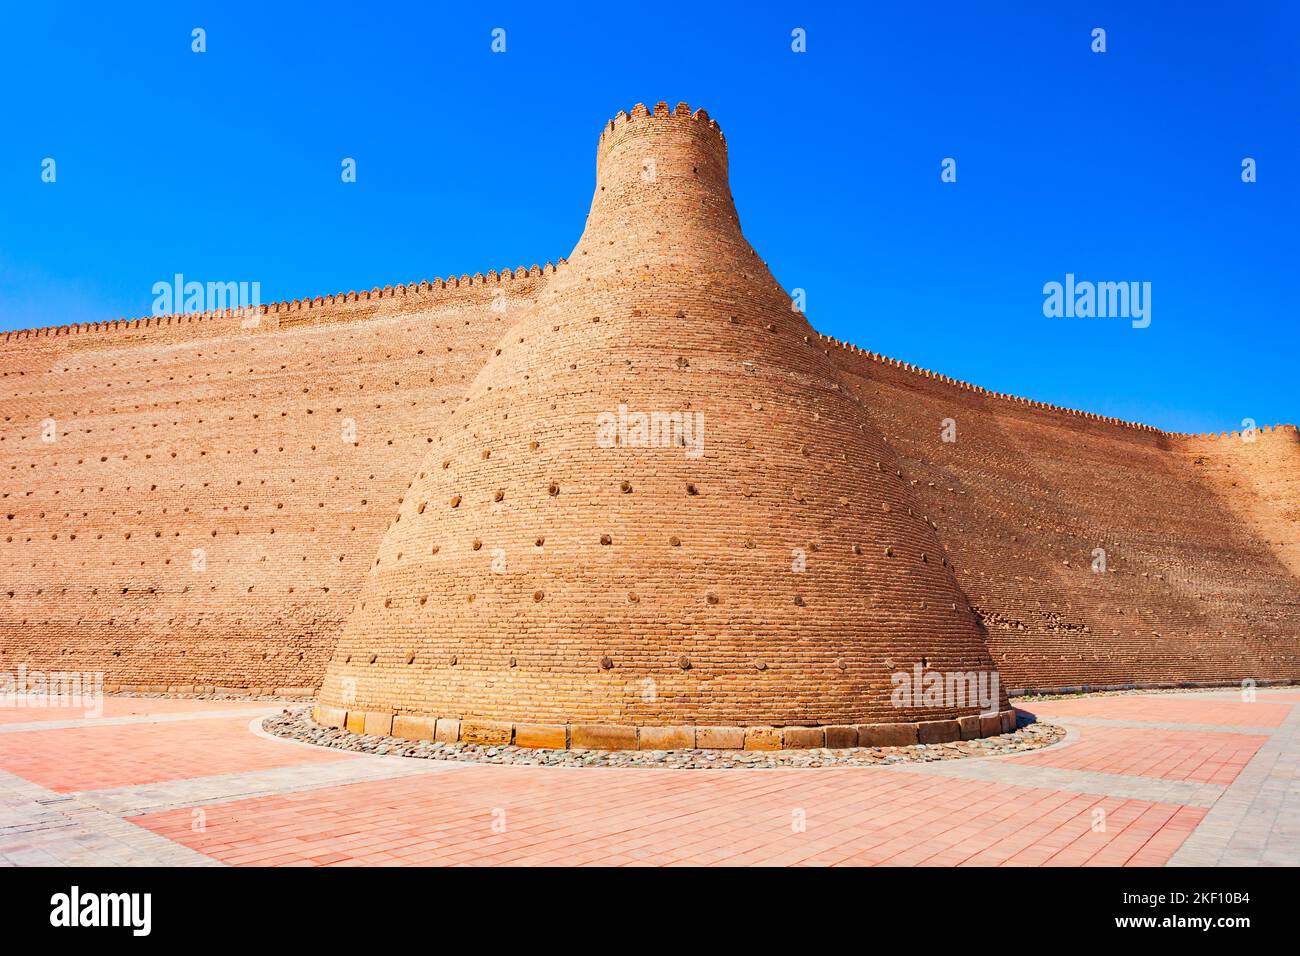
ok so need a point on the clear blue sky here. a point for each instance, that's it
(1122, 166)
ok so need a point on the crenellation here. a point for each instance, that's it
(218, 317)
(1014, 399)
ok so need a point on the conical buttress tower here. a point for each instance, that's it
(658, 518)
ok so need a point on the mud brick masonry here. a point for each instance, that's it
(397, 498)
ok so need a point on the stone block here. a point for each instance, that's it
(378, 723)
(356, 722)
(413, 728)
(886, 735)
(720, 738)
(331, 716)
(544, 736)
(762, 738)
(937, 731)
(666, 738)
(802, 738)
(969, 727)
(447, 730)
(841, 736)
(486, 733)
(990, 725)
(1008, 721)
(602, 737)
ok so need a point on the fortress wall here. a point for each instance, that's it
(1200, 533)
(170, 429)
(160, 401)
(221, 492)
(200, 519)
(539, 577)
(438, 294)
(1256, 477)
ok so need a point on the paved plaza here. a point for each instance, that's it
(1196, 778)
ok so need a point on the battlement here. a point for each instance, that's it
(435, 290)
(1032, 403)
(1261, 431)
(432, 291)
(225, 320)
(640, 114)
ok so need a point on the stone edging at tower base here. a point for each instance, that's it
(495, 733)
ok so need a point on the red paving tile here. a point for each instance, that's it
(627, 817)
(1159, 709)
(118, 755)
(124, 707)
(1214, 758)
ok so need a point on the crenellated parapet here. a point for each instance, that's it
(699, 121)
(342, 306)
(663, 170)
(220, 321)
(1279, 430)
(1029, 402)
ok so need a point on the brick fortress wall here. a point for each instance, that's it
(200, 519)
(1200, 534)
(534, 576)
(171, 429)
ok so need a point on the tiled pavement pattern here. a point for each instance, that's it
(599, 816)
(42, 828)
(1093, 782)
(107, 721)
(113, 707)
(1208, 707)
(1140, 780)
(1196, 756)
(1258, 819)
(74, 759)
